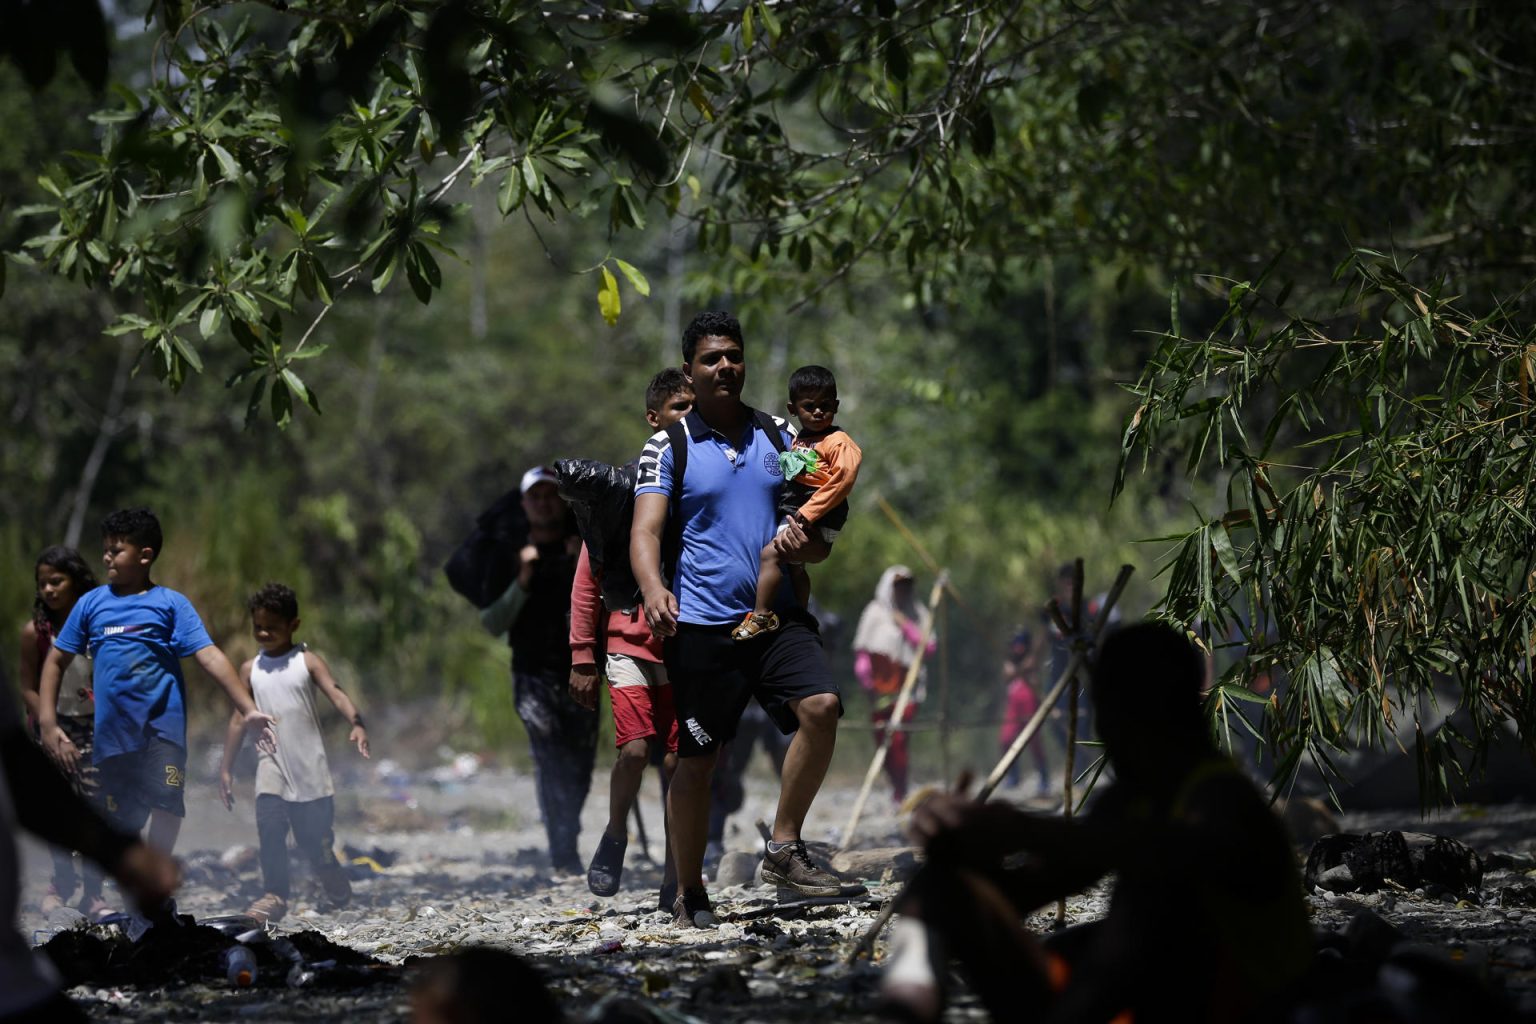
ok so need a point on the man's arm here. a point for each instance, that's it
(320, 672)
(586, 608)
(213, 662)
(650, 524)
(497, 617)
(55, 740)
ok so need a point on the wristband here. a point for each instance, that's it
(357, 720)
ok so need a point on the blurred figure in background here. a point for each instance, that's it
(1020, 702)
(889, 639)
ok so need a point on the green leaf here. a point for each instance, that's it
(282, 403)
(510, 197)
(636, 279)
(227, 163)
(747, 33)
(1221, 541)
(608, 298)
(208, 323)
(187, 352)
(384, 269)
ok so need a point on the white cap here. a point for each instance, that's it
(537, 475)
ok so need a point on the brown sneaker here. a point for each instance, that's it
(790, 867)
(755, 624)
(692, 909)
(269, 909)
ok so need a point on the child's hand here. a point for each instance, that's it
(62, 749)
(226, 790)
(584, 686)
(259, 724)
(359, 735)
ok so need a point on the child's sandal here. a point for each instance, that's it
(755, 624)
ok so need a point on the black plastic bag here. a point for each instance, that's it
(602, 497)
(486, 563)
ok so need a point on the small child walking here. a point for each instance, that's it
(1020, 702)
(819, 472)
(62, 579)
(293, 782)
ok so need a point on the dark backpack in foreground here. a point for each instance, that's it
(486, 563)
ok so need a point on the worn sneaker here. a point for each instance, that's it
(269, 909)
(789, 866)
(607, 865)
(692, 909)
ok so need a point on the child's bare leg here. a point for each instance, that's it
(800, 580)
(624, 785)
(164, 827)
(769, 578)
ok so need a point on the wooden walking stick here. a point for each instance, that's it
(866, 942)
(894, 723)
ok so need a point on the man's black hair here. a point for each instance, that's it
(277, 599)
(714, 323)
(1151, 673)
(811, 380)
(137, 526)
(664, 385)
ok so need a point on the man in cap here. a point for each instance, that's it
(534, 613)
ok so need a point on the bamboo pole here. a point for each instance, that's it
(944, 762)
(1078, 660)
(907, 686)
(917, 545)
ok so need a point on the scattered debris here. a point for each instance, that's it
(1408, 860)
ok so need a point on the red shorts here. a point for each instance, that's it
(642, 701)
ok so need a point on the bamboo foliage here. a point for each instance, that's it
(1376, 548)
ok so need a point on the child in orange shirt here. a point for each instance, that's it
(819, 472)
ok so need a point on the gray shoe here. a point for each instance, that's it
(791, 867)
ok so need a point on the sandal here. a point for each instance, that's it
(755, 624)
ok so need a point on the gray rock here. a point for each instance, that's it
(1337, 879)
(737, 868)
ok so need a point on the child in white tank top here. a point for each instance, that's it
(293, 781)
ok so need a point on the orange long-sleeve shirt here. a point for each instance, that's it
(627, 631)
(837, 467)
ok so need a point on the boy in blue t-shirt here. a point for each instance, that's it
(137, 632)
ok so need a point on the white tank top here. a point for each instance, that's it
(297, 771)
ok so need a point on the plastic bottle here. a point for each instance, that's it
(240, 966)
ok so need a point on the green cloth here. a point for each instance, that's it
(797, 461)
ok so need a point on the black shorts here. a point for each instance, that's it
(795, 495)
(151, 778)
(713, 677)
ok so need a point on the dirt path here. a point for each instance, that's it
(466, 865)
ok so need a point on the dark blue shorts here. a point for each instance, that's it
(713, 677)
(151, 778)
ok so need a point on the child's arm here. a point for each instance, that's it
(30, 668)
(55, 740)
(840, 462)
(586, 607)
(320, 672)
(234, 735)
(218, 667)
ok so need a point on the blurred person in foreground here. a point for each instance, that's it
(1182, 940)
(34, 796)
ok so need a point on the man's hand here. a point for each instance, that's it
(147, 876)
(61, 748)
(792, 541)
(528, 560)
(226, 789)
(661, 611)
(259, 725)
(359, 735)
(584, 686)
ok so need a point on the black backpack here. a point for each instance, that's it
(484, 565)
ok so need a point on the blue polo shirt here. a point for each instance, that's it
(729, 508)
(136, 643)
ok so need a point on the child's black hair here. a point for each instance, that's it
(69, 562)
(713, 323)
(137, 526)
(277, 599)
(811, 380)
(663, 386)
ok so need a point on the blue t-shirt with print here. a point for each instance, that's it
(729, 508)
(136, 642)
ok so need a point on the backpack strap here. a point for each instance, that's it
(766, 424)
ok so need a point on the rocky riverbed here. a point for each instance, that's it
(457, 858)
